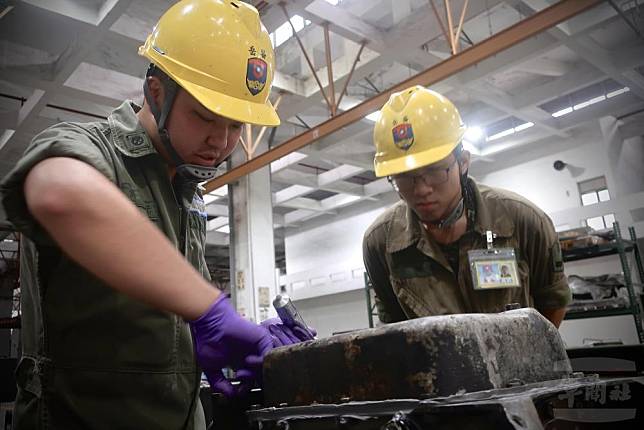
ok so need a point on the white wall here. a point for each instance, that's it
(549, 189)
(336, 246)
(602, 153)
(335, 313)
(333, 251)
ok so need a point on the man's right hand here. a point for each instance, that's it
(225, 339)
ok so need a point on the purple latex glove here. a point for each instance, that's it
(224, 339)
(284, 335)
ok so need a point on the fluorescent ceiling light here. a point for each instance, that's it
(562, 112)
(373, 116)
(473, 133)
(617, 92)
(523, 126)
(333, 2)
(499, 135)
(589, 102)
(510, 131)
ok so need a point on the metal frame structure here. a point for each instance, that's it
(634, 306)
(521, 31)
(579, 400)
(452, 37)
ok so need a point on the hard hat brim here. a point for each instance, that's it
(231, 107)
(413, 160)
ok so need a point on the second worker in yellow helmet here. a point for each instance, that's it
(452, 245)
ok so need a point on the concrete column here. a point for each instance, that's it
(252, 259)
(625, 159)
(624, 173)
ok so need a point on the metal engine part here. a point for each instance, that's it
(418, 359)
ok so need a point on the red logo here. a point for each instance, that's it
(256, 72)
(403, 135)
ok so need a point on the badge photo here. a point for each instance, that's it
(493, 268)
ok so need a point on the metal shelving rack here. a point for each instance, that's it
(371, 304)
(621, 247)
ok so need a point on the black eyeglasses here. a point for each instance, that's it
(431, 177)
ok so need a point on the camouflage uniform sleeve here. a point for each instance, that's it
(62, 140)
(373, 254)
(548, 284)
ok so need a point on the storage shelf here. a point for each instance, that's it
(595, 251)
(620, 247)
(597, 313)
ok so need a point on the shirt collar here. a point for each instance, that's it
(406, 229)
(491, 213)
(129, 136)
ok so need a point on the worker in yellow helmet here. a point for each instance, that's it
(116, 298)
(452, 245)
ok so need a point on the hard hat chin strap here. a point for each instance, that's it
(458, 210)
(453, 216)
(190, 172)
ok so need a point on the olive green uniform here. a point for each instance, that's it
(412, 277)
(93, 357)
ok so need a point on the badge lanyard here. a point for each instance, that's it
(493, 268)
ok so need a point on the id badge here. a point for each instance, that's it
(493, 268)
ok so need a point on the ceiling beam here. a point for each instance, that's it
(523, 30)
(499, 99)
(576, 38)
(64, 67)
(400, 44)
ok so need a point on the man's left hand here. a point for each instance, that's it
(284, 335)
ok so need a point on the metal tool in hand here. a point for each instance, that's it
(288, 313)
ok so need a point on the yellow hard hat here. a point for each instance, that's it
(417, 127)
(220, 53)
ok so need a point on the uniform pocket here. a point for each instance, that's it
(413, 305)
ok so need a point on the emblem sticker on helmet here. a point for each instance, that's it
(403, 136)
(256, 75)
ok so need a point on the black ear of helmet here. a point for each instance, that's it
(161, 114)
(189, 172)
(458, 153)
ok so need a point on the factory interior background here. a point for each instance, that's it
(557, 117)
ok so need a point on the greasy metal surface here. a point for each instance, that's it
(417, 359)
(533, 406)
